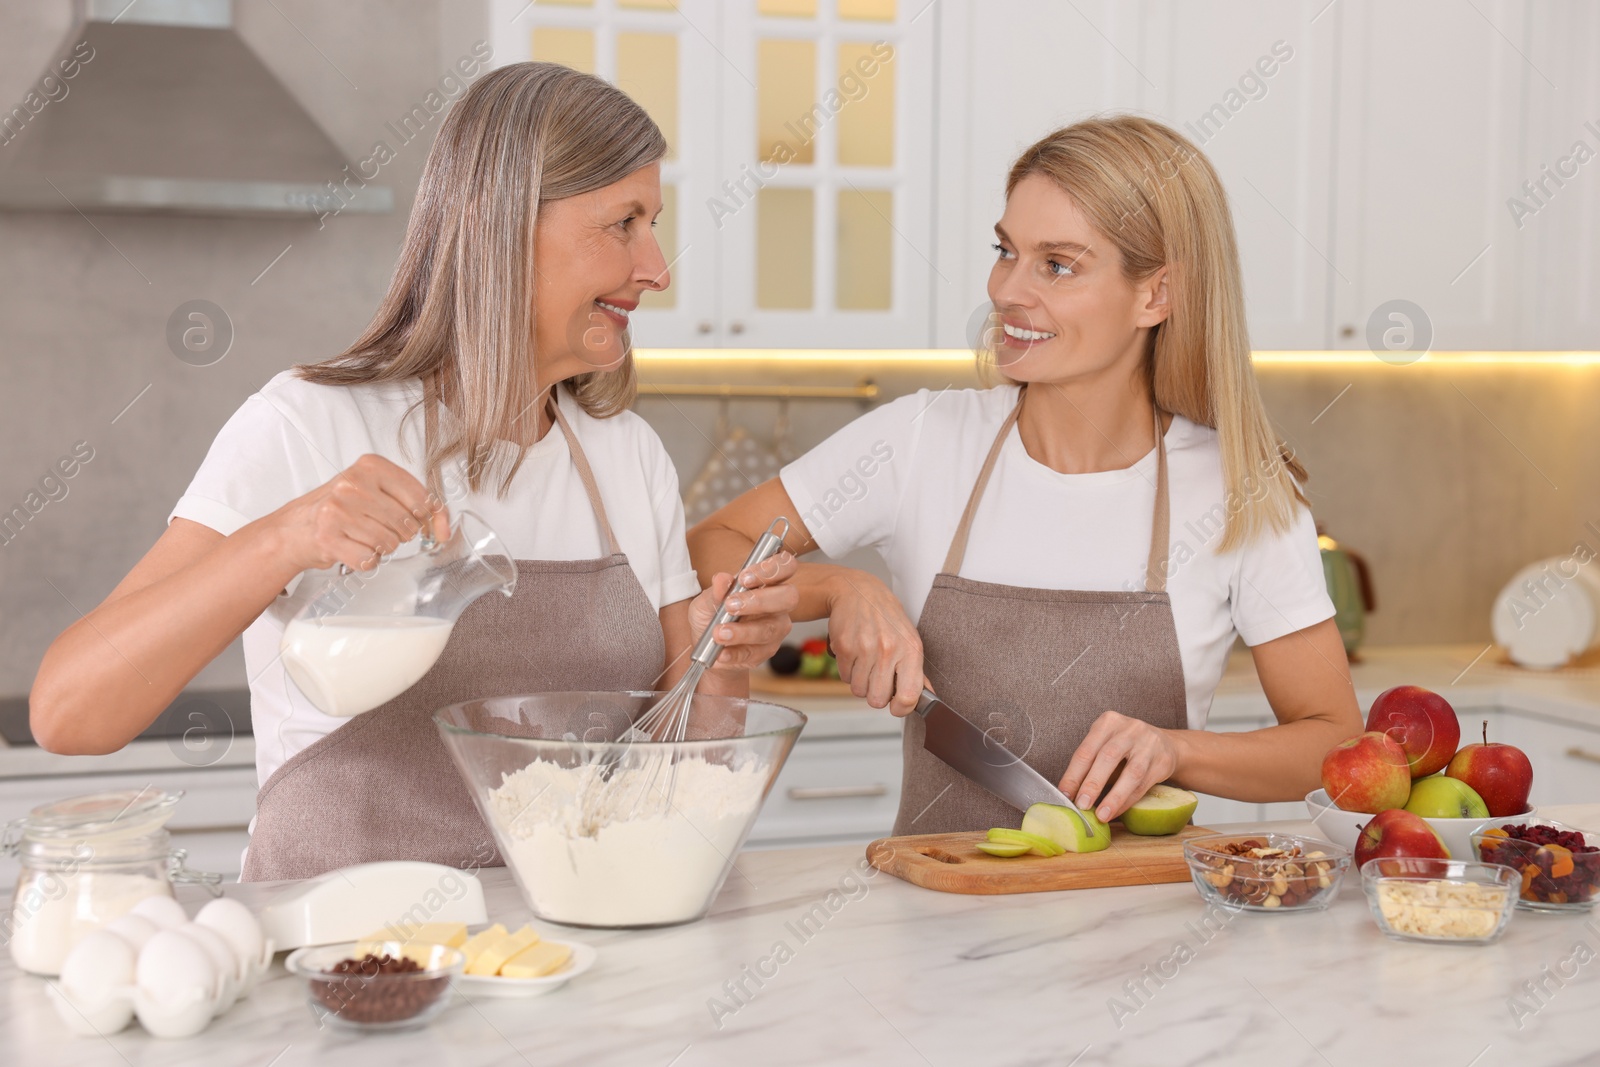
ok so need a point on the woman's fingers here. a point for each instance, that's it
(771, 571)
(1137, 777)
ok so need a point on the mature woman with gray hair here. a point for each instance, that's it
(496, 376)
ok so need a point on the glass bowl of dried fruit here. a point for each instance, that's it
(1558, 866)
(1266, 872)
(1427, 899)
(394, 985)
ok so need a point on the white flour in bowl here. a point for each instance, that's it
(624, 862)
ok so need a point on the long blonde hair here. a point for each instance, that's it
(1155, 196)
(459, 313)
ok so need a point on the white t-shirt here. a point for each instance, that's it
(898, 478)
(295, 435)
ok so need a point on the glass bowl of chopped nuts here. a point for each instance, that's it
(398, 986)
(1266, 872)
(1558, 867)
(1418, 899)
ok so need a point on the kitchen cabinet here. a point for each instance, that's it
(1189, 65)
(1557, 218)
(1431, 126)
(832, 791)
(1565, 757)
(797, 189)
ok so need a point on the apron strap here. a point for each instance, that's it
(1160, 524)
(958, 544)
(1155, 570)
(585, 475)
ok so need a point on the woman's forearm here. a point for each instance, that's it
(109, 675)
(1277, 763)
(722, 549)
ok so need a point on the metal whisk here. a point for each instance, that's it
(668, 718)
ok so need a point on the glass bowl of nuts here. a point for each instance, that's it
(1558, 868)
(394, 985)
(1425, 899)
(1266, 872)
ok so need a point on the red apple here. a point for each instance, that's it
(1367, 773)
(1500, 774)
(1398, 832)
(1423, 722)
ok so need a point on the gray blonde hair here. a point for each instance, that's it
(459, 313)
(1156, 198)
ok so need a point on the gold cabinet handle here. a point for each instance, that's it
(1576, 752)
(836, 792)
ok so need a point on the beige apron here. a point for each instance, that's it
(1036, 667)
(383, 787)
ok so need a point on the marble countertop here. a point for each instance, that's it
(840, 967)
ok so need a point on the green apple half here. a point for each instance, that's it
(1442, 797)
(1006, 850)
(1061, 825)
(1165, 809)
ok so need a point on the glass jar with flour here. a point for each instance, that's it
(86, 862)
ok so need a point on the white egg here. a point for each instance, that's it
(91, 1020)
(164, 1019)
(136, 930)
(172, 967)
(163, 911)
(99, 966)
(239, 927)
(222, 958)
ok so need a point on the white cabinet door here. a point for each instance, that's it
(666, 57)
(1253, 86)
(1258, 100)
(1557, 211)
(1565, 758)
(1010, 71)
(798, 189)
(823, 216)
(832, 791)
(1430, 115)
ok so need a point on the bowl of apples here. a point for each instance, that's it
(1407, 787)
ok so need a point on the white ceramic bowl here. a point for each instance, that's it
(1344, 827)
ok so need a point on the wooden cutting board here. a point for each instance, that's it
(951, 863)
(766, 683)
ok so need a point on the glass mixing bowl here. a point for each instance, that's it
(609, 834)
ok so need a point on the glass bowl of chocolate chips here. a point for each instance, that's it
(394, 985)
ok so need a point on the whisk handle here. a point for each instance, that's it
(706, 650)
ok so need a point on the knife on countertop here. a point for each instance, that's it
(985, 761)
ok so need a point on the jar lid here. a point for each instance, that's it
(119, 814)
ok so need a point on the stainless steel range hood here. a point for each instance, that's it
(172, 112)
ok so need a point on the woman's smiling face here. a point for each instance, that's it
(1066, 311)
(594, 254)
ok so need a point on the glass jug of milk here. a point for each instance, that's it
(364, 637)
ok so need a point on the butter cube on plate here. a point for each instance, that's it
(494, 955)
(482, 940)
(537, 961)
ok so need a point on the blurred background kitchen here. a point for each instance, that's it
(196, 194)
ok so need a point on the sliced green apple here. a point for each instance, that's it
(1042, 845)
(1061, 824)
(1165, 809)
(1006, 850)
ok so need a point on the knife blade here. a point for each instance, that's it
(966, 748)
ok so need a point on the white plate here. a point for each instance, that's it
(583, 957)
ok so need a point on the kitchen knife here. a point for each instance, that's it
(981, 758)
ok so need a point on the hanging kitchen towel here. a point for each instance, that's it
(739, 462)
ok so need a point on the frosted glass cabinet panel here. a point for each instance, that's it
(799, 184)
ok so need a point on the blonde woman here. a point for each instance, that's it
(1072, 552)
(497, 371)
